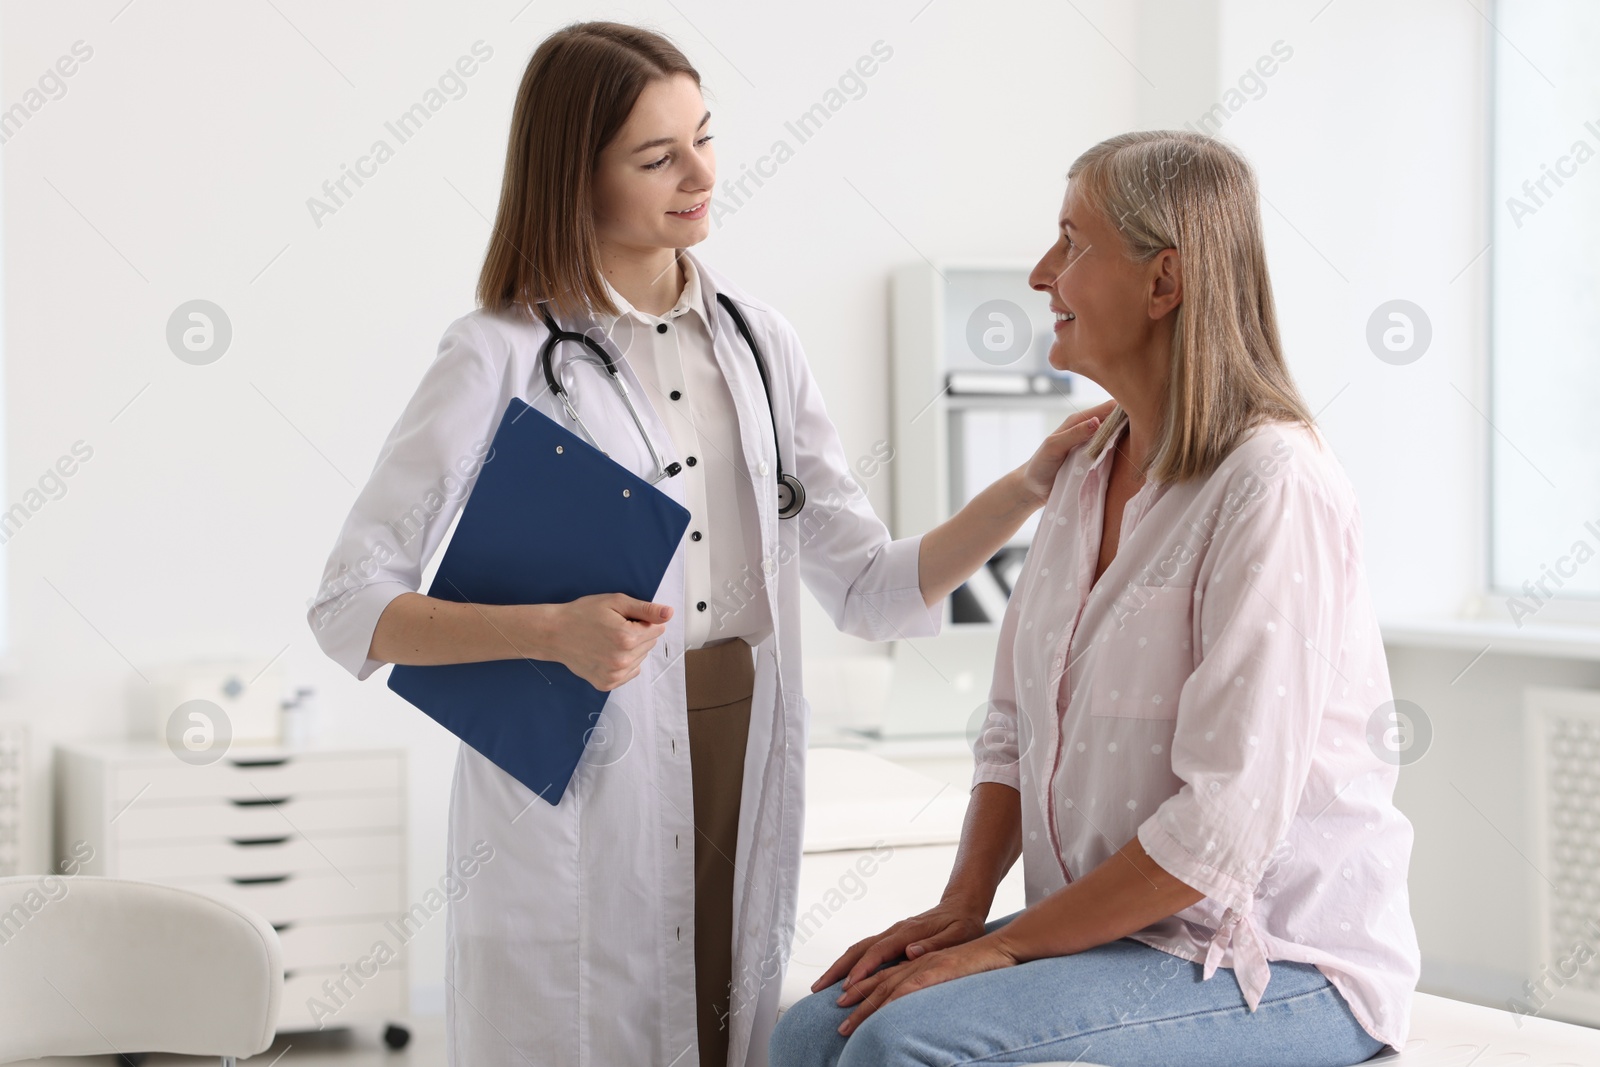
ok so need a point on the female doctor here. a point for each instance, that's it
(647, 917)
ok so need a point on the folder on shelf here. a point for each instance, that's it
(550, 519)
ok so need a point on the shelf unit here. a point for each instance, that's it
(973, 395)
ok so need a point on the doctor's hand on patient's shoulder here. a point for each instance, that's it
(603, 638)
(948, 923)
(1039, 475)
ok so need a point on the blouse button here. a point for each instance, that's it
(661, 327)
(695, 536)
(676, 395)
(691, 461)
(701, 606)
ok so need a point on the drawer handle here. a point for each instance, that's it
(257, 802)
(278, 761)
(249, 842)
(263, 879)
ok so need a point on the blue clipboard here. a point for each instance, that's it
(550, 519)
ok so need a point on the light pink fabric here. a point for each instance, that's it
(1212, 693)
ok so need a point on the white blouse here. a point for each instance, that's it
(1218, 694)
(671, 354)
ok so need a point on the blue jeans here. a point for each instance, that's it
(1120, 1005)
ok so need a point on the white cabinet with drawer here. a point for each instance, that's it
(311, 839)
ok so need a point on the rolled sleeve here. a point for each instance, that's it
(901, 592)
(1270, 606)
(424, 472)
(344, 624)
(996, 749)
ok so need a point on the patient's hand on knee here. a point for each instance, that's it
(945, 924)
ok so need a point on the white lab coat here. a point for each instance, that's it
(574, 945)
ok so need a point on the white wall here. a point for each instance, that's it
(1370, 146)
(178, 164)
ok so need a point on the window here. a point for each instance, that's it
(1545, 304)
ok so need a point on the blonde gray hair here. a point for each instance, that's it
(1186, 191)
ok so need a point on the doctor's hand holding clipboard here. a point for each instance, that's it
(642, 916)
(603, 638)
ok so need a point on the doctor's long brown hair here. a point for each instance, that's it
(576, 93)
(1176, 189)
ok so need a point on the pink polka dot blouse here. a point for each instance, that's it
(1220, 692)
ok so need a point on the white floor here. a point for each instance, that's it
(362, 1048)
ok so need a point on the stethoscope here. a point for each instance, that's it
(791, 494)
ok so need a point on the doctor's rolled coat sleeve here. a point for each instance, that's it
(423, 474)
(867, 582)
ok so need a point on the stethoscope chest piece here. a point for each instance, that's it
(791, 496)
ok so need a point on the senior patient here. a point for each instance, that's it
(1188, 684)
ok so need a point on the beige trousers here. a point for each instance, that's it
(719, 679)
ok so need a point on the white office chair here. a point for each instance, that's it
(90, 966)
